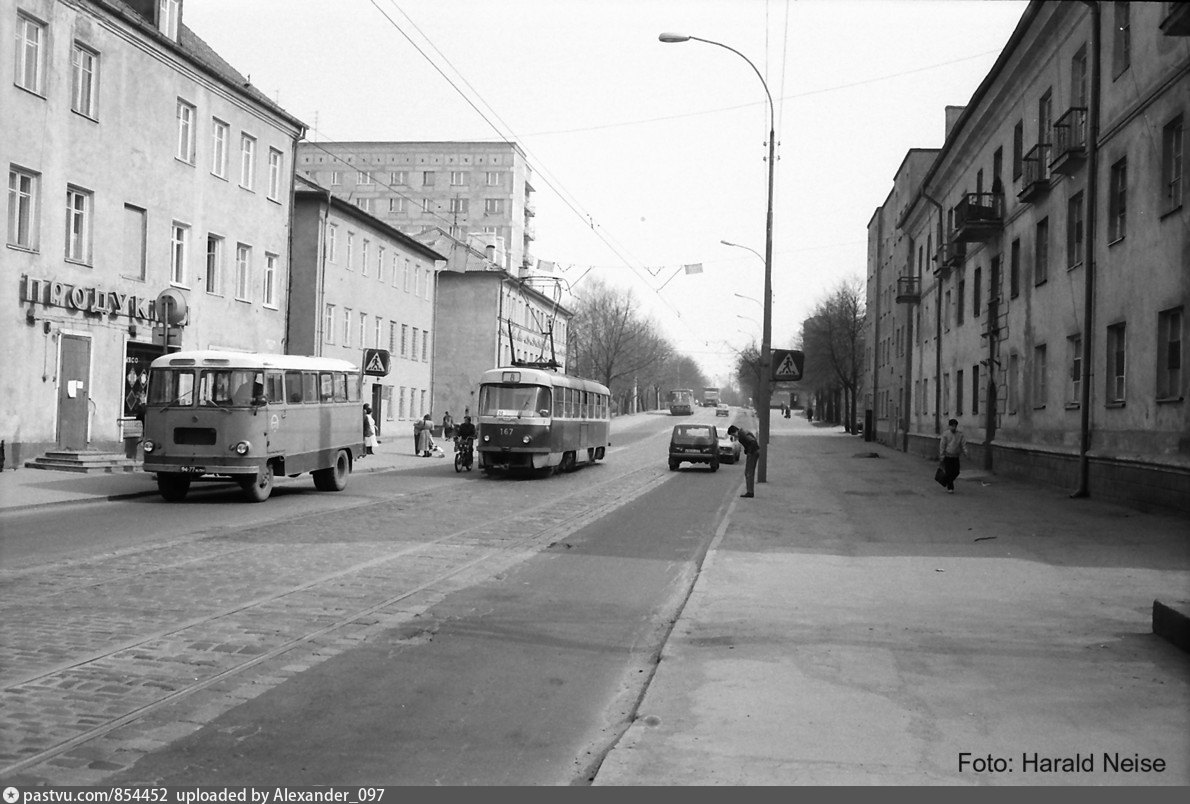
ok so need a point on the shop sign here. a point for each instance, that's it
(96, 300)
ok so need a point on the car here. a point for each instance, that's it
(722, 410)
(730, 450)
(694, 443)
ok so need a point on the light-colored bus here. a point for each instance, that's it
(681, 402)
(251, 418)
(535, 419)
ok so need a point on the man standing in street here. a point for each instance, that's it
(951, 445)
(752, 451)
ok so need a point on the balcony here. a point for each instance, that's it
(1070, 142)
(908, 290)
(978, 216)
(1035, 173)
(1177, 20)
(950, 255)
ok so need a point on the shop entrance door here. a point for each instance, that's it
(74, 392)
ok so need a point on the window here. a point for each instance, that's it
(975, 390)
(347, 327)
(1045, 118)
(30, 54)
(185, 151)
(1116, 197)
(1039, 375)
(379, 332)
(1014, 368)
(1078, 78)
(404, 339)
(275, 179)
(363, 330)
(1014, 269)
(1116, 364)
(408, 276)
(413, 345)
(84, 67)
(363, 177)
(78, 225)
(946, 392)
(1041, 252)
(335, 178)
(398, 177)
(946, 308)
(169, 13)
(214, 263)
(220, 135)
(270, 280)
(958, 387)
(427, 205)
(243, 271)
(179, 252)
(1169, 354)
(247, 161)
(493, 178)
(1172, 161)
(1018, 149)
(493, 206)
(1074, 231)
(976, 291)
(136, 233)
(427, 178)
(399, 206)
(328, 324)
(960, 302)
(365, 257)
(350, 251)
(22, 208)
(458, 178)
(392, 337)
(1074, 359)
(1121, 40)
(425, 346)
(458, 206)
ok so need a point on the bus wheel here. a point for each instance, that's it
(567, 462)
(258, 488)
(333, 478)
(173, 487)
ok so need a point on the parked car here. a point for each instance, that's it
(722, 410)
(694, 443)
(730, 450)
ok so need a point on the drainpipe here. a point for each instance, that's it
(908, 384)
(1084, 489)
(938, 327)
(875, 336)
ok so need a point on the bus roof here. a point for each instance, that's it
(532, 376)
(211, 358)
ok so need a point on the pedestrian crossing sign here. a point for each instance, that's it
(376, 362)
(787, 365)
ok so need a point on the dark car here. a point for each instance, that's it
(694, 443)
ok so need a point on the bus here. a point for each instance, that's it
(540, 421)
(251, 418)
(681, 402)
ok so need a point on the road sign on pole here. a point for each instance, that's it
(787, 365)
(376, 362)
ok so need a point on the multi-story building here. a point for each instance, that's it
(360, 284)
(489, 319)
(1044, 261)
(140, 166)
(475, 191)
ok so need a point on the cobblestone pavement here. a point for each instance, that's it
(110, 658)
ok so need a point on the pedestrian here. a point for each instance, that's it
(425, 441)
(951, 445)
(809, 413)
(370, 440)
(448, 425)
(752, 451)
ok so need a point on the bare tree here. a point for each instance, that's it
(833, 338)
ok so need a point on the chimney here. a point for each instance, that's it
(953, 113)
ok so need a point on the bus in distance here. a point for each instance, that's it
(681, 402)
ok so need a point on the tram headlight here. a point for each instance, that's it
(526, 439)
(148, 446)
(487, 438)
(242, 448)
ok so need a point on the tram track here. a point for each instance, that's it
(97, 692)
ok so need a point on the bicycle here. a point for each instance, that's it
(464, 454)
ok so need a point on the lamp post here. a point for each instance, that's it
(765, 384)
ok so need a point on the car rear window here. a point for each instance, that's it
(696, 432)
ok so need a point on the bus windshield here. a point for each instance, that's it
(514, 400)
(217, 387)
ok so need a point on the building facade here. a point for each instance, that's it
(480, 193)
(491, 319)
(1044, 262)
(360, 284)
(141, 166)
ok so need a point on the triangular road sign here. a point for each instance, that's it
(376, 362)
(788, 365)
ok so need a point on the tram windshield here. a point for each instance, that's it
(216, 387)
(514, 400)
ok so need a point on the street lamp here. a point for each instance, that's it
(737, 245)
(746, 298)
(765, 384)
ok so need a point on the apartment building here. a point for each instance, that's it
(1039, 277)
(480, 193)
(141, 167)
(360, 284)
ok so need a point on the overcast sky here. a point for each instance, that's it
(647, 155)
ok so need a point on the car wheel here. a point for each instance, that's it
(333, 478)
(715, 465)
(673, 465)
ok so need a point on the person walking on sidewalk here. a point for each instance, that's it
(370, 440)
(951, 445)
(752, 451)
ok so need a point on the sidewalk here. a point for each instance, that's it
(854, 625)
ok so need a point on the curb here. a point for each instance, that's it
(1171, 624)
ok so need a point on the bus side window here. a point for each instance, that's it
(326, 387)
(340, 387)
(293, 384)
(353, 387)
(309, 387)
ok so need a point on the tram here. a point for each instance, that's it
(681, 402)
(539, 420)
(251, 418)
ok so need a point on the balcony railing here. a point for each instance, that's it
(1070, 141)
(1177, 20)
(950, 255)
(908, 290)
(1035, 173)
(978, 216)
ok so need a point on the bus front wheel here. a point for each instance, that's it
(257, 488)
(173, 487)
(333, 478)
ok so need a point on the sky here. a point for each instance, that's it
(647, 155)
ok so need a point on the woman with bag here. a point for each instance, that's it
(425, 440)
